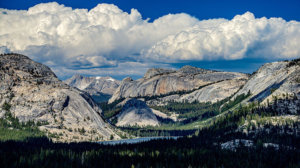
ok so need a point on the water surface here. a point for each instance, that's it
(135, 140)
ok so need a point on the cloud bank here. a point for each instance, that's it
(105, 39)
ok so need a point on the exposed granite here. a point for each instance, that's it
(34, 93)
(136, 112)
(100, 88)
(161, 81)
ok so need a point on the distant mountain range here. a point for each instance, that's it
(189, 84)
(194, 84)
(190, 97)
(100, 88)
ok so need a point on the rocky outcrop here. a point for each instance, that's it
(100, 88)
(173, 116)
(214, 92)
(136, 112)
(277, 79)
(157, 71)
(34, 93)
(162, 82)
(210, 93)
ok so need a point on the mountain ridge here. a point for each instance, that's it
(34, 93)
(161, 81)
(100, 88)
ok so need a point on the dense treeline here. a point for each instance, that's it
(110, 110)
(188, 112)
(294, 62)
(199, 111)
(231, 120)
(197, 151)
(201, 150)
(238, 99)
(12, 129)
(149, 132)
(280, 106)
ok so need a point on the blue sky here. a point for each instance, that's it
(202, 9)
(114, 40)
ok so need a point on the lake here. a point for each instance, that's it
(135, 140)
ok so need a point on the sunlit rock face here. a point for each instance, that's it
(210, 93)
(136, 112)
(36, 94)
(187, 79)
(100, 88)
(274, 80)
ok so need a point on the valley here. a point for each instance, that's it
(149, 84)
(163, 103)
(211, 112)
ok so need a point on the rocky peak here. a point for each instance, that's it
(157, 71)
(273, 80)
(34, 93)
(159, 81)
(127, 79)
(77, 76)
(79, 81)
(187, 69)
(23, 63)
(136, 112)
(100, 88)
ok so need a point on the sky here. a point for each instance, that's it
(121, 38)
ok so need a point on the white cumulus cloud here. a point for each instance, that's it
(105, 39)
(243, 36)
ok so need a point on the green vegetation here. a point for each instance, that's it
(110, 110)
(201, 150)
(187, 152)
(190, 110)
(6, 106)
(238, 99)
(200, 111)
(260, 115)
(12, 129)
(294, 62)
(191, 114)
(81, 131)
(157, 131)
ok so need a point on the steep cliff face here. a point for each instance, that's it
(162, 81)
(34, 93)
(277, 79)
(136, 112)
(214, 92)
(100, 88)
(210, 93)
